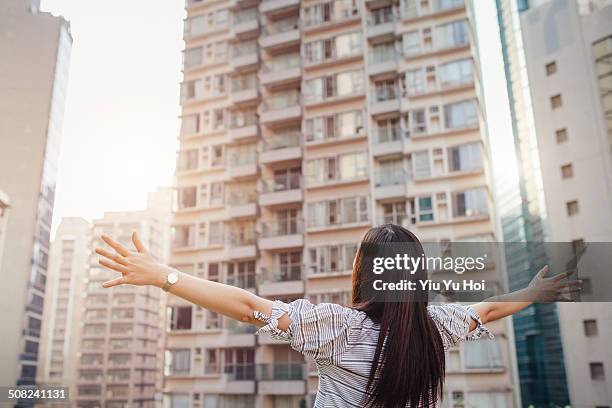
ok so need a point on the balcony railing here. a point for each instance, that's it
(244, 48)
(397, 219)
(235, 327)
(387, 134)
(278, 228)
(378, 56)
(282, 101)
(245, 15)
(283, 183)
(242, 158)
(241, 197)
(281, 26)
(281, 372)
(381, 16)
(240, 372)
(390, 177)
(282, 140)
(244, 84)
(244, 281)
(283, 273)
(282, 64)
(385, 93)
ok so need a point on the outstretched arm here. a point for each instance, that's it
(140, 268)
(541, 289)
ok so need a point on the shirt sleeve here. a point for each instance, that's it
(317, 331)
(453, 322)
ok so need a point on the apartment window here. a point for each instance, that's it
(390, 172)
(551, 68)
(193, 57)
(343, 84)
(393, 213)
(470, 203)
(482, 354)
(597, 371)
(461, 114)
(602, 53)
(567, 171)
(411, 43)
(218, 119)
(334, 212)
(452, 34)
(241, 274)
(416, 122)
(561, 135)
(590, 327)
(556, 101)
(177, 362)
(215, 233)
(188, 160)
(415, 81)
(464, 157)
(211, 365)
(191, 89)
(338, 168)
(572, 207)
(240, 363)
(341, 125)
(455, 73)
(187, 197)
(180, 317)
(425, 209)
(213, 320)
(422, 164)
(213, 272)
(177, 401)
(333, 258)
(183, 236)
(385, 90)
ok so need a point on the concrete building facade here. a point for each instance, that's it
(304, 123)
(61, 328)
(33, 75)
(569, 63)
(120, 349)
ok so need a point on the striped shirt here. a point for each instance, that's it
(342, 342)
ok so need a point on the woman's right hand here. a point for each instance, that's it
(555, 288)
(136, 268)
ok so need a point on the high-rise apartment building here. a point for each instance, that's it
(568, 58)
(68, 264)
(304, 123)
(122, 335)
(35, 50)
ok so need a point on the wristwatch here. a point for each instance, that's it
(171, 279)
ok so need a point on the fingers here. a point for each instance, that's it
(121, 250)
(563, 275)
(114, 282)
(112, 257)
(139, 247)
(114, 266)
(542, 272)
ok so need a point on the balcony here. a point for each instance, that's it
(242, 133)
(382, 61)
(239, 334)
(274, 7)
(242, 165)
(281, 190)
(281, 109)
(241, 245)
(387, 141)
(405, 220)
(381, 24)
(280, 35)
(281, 147)
(282, 234)
(286, 280)
(246, 23)
(245, 56)
(282, 71)
(281, 379)
(414, 10)
(241, 204)
(244, 90)
(390, 184)
(385, 100)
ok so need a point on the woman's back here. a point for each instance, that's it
(343, 342)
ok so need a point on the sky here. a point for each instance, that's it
(121, 120)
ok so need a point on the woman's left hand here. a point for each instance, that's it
(136, 268)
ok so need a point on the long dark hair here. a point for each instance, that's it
(408, 365)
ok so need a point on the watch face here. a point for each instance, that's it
(173, 278)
